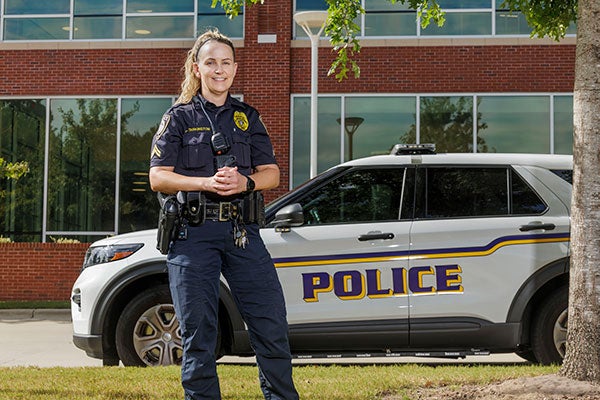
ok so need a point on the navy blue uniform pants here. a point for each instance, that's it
(195, 266)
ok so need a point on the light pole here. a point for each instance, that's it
(351, 124)
(310, 20)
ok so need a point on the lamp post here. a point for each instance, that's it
(351, 124)
(310, 20)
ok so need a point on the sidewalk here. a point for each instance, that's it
(48, 314)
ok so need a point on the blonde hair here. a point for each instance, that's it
(191, 83)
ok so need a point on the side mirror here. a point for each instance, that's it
(289, 216)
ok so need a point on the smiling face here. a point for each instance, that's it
(216, 69)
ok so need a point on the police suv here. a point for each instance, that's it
(412, 253)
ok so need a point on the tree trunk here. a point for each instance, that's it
(582, 360)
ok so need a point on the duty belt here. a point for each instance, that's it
(222, 211)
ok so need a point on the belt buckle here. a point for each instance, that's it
(224, 207)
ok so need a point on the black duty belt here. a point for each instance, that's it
(222, 211)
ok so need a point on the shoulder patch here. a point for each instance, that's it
(164, 122)
(261, 121)
(241, 120)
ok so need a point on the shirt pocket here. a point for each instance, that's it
(241, 150)
(197, 152)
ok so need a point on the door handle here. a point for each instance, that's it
(533, 227)
(375, 236)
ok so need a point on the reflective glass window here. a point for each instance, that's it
(511, 23)
(514, 124)
(155, 6)
(160, 27)
(563, 124)
(328, 141)
(367, 195)
(82, 165)
(95, 7)
(20, 7)
(234, 28)
(309, 5)
(36, 29)
(138, 206)
(97, 27)
(22, 126)
(383, 121)
(382, 18)
(462, 23)
(462, 4)
(446, 121)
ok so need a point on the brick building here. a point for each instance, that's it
(83, 85)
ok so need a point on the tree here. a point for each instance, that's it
(547, 18)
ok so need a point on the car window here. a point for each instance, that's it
(566, 174)
(359, 195)
(450, 192)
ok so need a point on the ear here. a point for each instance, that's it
(196, 70)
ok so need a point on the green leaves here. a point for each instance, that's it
(546, 17)
(13, 170)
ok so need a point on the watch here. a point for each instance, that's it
(250, 185)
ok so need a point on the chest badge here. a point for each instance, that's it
(240, 119)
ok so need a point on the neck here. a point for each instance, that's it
(217, 99)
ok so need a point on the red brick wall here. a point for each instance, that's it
(39, 271)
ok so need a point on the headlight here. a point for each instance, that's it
(104, 254)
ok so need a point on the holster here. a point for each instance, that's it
(169, 218)
(254, 208)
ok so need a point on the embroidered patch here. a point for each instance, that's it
(240, 119)
(164, 122)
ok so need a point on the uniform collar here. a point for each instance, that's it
(209, 105)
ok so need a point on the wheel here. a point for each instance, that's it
(549, 336)
(147, 332)
(527, 355)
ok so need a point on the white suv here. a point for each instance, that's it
(441, 255)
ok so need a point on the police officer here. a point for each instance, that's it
(215, 151)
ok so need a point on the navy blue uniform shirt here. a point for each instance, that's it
(183, 139)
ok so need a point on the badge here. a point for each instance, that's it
(164, 122)
(240, 119)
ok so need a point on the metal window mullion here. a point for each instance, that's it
(118, 168)
(552, 124)
(418, 119)
(343, 128)
(475, 124)
(46, 169)
(124, 21)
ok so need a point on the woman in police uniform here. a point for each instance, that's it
(211, 143)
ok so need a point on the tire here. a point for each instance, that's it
(147, 332)
(549, 334)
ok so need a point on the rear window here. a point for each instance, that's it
(566, 174)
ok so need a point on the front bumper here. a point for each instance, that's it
(91, 344)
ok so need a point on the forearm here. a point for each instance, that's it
(163, 179)
(266, 177)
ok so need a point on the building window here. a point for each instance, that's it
(97, 20)
(82, 162)
(210, 17)
(463, 18)
(514, 124)
(22, 132)
(563, 124)
(471, 123)
(115, 20)
(137, 202)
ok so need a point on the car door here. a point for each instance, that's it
(479, 233)
(341, 270)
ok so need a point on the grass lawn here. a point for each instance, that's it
(314, 382)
